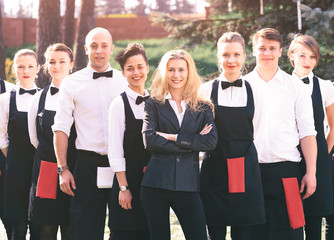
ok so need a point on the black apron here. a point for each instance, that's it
(20, 158)
(2, 86)
(2, 161)
(136, 159)
(321, 202)
(48, 211)
(235, 134)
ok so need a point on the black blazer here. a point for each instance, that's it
(175, 165)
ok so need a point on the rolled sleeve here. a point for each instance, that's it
(304, 115)
(64, 115)
(116, 128)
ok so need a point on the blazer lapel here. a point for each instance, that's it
(186, 118)
(168, 112)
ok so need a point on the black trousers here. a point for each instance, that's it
(186, 205)
(237, 232)
(277, 226)
(20, 228)
(88, 206)
(140, 234)
(313, 227)
(330, 227)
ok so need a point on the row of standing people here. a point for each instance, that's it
(171, 177)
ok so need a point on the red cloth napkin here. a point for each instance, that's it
(236, 175)
(293, 202)
(47, 180)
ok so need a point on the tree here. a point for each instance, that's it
(2, 49)
(69, 24)
(114, 7)
(244, 17)
(163, 6)
(140, 8)
(48, 32)
(86, 22)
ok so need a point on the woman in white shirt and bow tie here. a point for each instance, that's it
(126, 152)
(231, 188)
(304, 56)
(49, 206)
(15, 144)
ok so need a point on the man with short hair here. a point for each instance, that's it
(84, 99)
(283, 120)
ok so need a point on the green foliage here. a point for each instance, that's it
(204, 54)
(244, 17)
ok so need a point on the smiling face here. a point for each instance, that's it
(99, 47)
(135, 71)
(231, 59)
(59, 64)
(267, 53)
(177, 74)
(26, 68)
(304, 60)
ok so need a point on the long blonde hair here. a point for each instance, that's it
(160, 86)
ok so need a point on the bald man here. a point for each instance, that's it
(84, 99)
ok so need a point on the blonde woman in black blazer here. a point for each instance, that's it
(177, 126)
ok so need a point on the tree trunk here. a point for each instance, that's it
(2, 51)
(86, 22)
(48, 32)
(69, 24)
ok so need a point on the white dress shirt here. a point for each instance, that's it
(50, 104)
(283, 116)
(184, 107)
(229, 97)
(22, 104)
(86, 102)
(326, 89)
(116, 117)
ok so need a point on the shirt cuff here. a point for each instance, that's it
(62, 128)
(117, 164)
(306, 134)
(4, 145)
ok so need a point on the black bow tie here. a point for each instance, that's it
(236, 83)
(306, 80)
(54, 90)
(31, 91)
(141, 99)
(102, 74)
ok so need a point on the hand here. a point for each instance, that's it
(66, 181)
(207, 128)
(124, 199)
(310, 182)
(168, 136)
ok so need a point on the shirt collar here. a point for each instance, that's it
(52, 85)
(93, 70)
(33, 87)
(310, 76)
(277, 76)
(224, 79)
(134, 94)
(183, 103)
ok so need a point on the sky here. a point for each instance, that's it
(11, 6)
